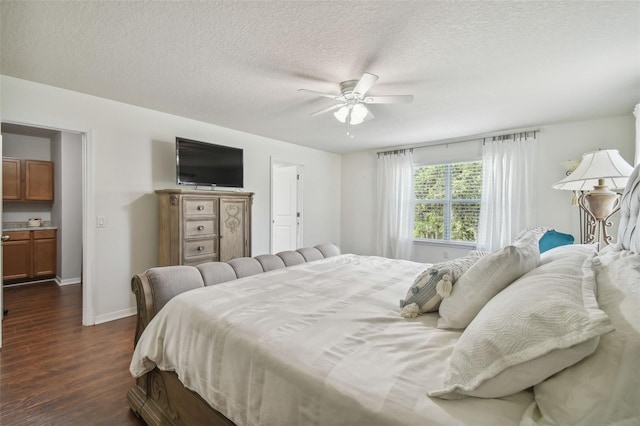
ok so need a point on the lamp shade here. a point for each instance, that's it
(606, 164)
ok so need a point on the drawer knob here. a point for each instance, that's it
(6, 237)
(200, 248)
(200, 207)
(200, 228)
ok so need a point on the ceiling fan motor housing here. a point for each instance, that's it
(346, 88)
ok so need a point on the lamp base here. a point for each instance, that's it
(599, 205)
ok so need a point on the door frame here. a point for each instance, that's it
(1, 244)
(275, 162)
(88, 208)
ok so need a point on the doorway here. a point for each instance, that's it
(286, 206)
(69, 150)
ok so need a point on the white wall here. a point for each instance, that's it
(133, 154)
(29, 147)
(66, 151)
(556, 143)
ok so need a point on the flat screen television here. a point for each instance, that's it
(205, 164)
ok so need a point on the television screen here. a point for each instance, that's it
(205, 164)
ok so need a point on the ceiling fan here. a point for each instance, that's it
(351, 108)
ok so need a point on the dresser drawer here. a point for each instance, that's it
(193, 261)
(200, 206)
(194, 228)
(199, 248)
(18, 235)
(46, 234)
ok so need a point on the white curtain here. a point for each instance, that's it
(508, 178)
(636, 112)
(395, 205)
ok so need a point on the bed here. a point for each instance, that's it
(517, 337)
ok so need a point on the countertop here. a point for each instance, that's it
(22, 226)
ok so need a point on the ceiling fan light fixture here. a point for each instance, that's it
(341, 114)
(358, 114)
(354, 113)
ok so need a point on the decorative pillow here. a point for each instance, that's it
(485, 279)
(543, 323)
(432, 285)
(552, 239)
(603, 389)
(538, 231)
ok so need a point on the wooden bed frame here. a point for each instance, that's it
(159, 397)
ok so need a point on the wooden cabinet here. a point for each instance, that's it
(29, 254)
(203, 226)
(27, 180)
(11, 173)
(16, 256)
(43, 253)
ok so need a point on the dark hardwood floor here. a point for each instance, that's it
(53, 370)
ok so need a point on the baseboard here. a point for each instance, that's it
(112, 316)
(68, 281)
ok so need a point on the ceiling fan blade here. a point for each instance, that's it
(390, 99)
(326, 95)
(331, 108)
(365, 83)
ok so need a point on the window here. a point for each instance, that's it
(447, 201)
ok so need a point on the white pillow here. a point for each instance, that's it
(546, 321)
(603, 389)
(485, 279)
(430, 286)
(567, 250)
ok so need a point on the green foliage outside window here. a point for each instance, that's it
(447, 201)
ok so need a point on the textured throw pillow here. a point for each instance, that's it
(603, 389)
(432, 285)
(485, 279)
(543, 323)
(552, 239)
(538, 231)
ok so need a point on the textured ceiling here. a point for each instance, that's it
(473, 67)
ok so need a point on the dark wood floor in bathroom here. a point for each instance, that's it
(55, 371)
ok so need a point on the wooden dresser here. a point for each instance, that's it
(203, 226)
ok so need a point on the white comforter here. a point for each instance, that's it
(316, 344)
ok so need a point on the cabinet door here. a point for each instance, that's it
(44, 256)
(233, 228)
(38, 180)
(11, 189)
(16, 256)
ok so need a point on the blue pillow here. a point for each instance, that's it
(553, 239)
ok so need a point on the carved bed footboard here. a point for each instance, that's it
(144, 303)
(159, 397)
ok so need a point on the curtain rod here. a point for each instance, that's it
(463, 139)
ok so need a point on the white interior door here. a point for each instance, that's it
(285, 213)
